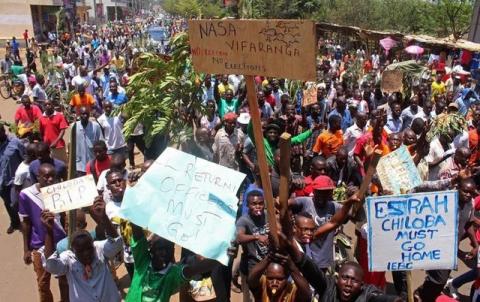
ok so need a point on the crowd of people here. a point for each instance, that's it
(332, 144)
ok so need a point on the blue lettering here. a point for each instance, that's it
(379, 209)
(440, 220)
(414, 204)
(441, 203)
(385, 228)
(396, 208)
(426, 204)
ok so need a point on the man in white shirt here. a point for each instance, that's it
(112, 129)
(355, 131)
(411, 112)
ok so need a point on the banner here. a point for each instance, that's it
(309, 96)
(409, 232)
(397, 171)
(274, 48)
(187, 200)
(71, 194)
(392, 81)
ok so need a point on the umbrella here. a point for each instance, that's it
(414, 50)
(388, 43)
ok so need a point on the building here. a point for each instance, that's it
(37, 16)
(107, 10)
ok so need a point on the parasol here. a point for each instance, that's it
(414, 50)
(388, 43)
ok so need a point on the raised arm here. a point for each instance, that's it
(337, 219)
(304, 294)
(254, 277)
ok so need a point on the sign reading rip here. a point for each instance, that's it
(71, 194)
(275, 48)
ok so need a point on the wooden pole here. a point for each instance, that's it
(367, 179)
(284, 193)
(72, 150)
(261, 158)
(409, 286)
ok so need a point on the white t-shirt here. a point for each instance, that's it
(79, 80)
(112, 129)
(22, 176)
(102, 186)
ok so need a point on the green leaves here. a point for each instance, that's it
(163, 94)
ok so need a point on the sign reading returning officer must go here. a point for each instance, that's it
(276, 48)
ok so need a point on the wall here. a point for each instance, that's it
(16, 16)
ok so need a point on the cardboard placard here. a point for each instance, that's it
(392, 81)
(275, 48)
(187, 200)
(397, 171)
(71, 194)
(410, 232)
(309, 96)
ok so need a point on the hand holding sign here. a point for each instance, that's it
(97, 210)
(48, 219)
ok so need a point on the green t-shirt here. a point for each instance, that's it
(17, 69)
(149, 285)
(225, 106)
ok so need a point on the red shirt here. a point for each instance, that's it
(50, 127)
(271, 100)
(99, 166)
(367, 139)
(27, 116)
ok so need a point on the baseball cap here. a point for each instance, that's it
(323, 182)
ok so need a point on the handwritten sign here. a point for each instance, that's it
(397, 171)
(187, 200)
(71, 194)
(276, 48)
(417, 231)
(392, 81)
(309, 96)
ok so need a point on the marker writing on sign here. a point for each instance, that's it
(62, 199)
(413, 223)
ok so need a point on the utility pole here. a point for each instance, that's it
(474, 34)
(116, 13)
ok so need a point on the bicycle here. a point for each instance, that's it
(6, 86)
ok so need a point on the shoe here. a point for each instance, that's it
(12, 229)
(451, 290)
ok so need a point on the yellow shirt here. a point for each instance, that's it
(438, 88)
(119, 63)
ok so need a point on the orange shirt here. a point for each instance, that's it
(77, 101)
(328, 143)
(473, 145)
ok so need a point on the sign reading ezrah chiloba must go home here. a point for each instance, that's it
(276, 48)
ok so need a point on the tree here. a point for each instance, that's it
(165, 92)
(454, 16)
(193, 8)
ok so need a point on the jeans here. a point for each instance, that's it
(465, 278)
(12, 210)
(43, 281)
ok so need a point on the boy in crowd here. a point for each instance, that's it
(86, 264)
